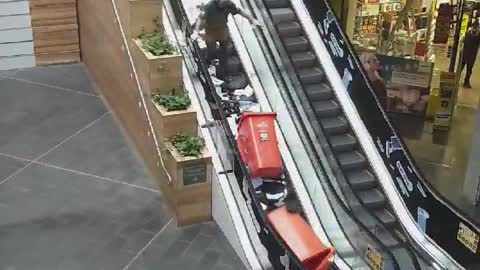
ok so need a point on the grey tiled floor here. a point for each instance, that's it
(73, 195)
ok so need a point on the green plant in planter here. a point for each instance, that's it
(156, 43)
(171, 102)
(188, 146)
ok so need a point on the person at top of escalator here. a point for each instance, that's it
(214, 18)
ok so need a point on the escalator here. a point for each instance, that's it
(267, 193)
(224, 112)
(350, 166)
(368, 197)
(351, 240)
(368, 202)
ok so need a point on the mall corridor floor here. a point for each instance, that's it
(73, 193)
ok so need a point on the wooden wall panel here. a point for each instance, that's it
(104, 54)
(55, 31)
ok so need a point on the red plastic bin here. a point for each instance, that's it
(299, 236)
(258, 145)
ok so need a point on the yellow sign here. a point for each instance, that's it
(468, 237)
(465, 20)
(375, 258)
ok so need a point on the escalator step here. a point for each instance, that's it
(352, 160)
(334, 125)
(387, 239)
(292, 29)
(303, 59)
(282, 15)
(310, 75)
(386, 217)
(363, 215)
(237, 81)
(327, 108)
(361, 180)
(372, 198)
(296, 44)
(343, 142)
(234, 64)
(319, 91)
(276, 3)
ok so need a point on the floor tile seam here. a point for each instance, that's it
(78, 172)
(15, 173)
(52, 86)
(7, 75)
(71, 136)
(147, 245)
(53, 148)
(14, 72)
(15, 157)
(95, 176)
(191, 243)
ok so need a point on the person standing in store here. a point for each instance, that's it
(214, 19)
(471, 42)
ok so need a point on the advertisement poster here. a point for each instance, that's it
(447, 92)
(408, 84)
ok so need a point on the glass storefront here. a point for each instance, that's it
(406, 47)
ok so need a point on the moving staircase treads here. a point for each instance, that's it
(330, 116)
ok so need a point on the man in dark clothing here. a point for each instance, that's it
(470, 50)
(214, 19)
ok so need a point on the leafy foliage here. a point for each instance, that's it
(156, 43)
(171, 102)
(188, 146)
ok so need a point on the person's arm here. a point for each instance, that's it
(236, 10)
(199, 22)
(198, 26)
(246, 15)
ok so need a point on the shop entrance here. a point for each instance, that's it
(406, 47)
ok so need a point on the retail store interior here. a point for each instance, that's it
(443, 152)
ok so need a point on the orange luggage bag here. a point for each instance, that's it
(299, 236)
(258, 145)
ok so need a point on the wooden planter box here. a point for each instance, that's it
(145, 17)
(168, 124)
(158, 73)
(191, 186)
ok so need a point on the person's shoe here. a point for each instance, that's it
(467, 85)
